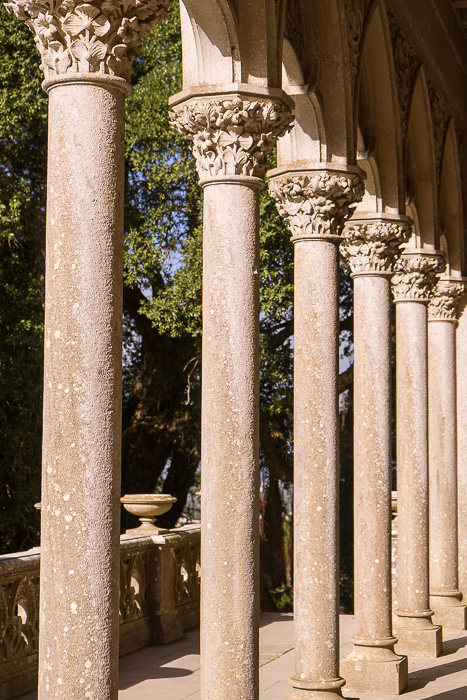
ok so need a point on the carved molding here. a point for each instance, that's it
(355, 11)
(316, 203)
(373, 245)
(415, 276)
(445, 298)
(101, 36)
(231, 136)
(406, 62)
(439, 118)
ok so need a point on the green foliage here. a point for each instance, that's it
(23, 124)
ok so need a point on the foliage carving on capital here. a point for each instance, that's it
(445, 298)
(232, 136)
(100, 36)
(415, 276)
(373, 245)
(316, 203)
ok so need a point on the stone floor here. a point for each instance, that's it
(171, 672)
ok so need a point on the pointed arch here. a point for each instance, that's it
(306, 141)
(377, 114)
(232, 41)
(450, 205)
(211, 49)
(420, 166)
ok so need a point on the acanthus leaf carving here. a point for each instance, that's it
(231, 136)
(373, 245)
(445, 299)
(440, 119)
(406, 64)
(101, 36)
(416, 275)
(316, 203)
(355, 11)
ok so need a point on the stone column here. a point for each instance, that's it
(415, 276)
(371, 245)
(444, 583)
(316, 203)
(86, 51)
(232, 131)
(461, 355)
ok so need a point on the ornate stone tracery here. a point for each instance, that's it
(415, 276)
(373, 245)
(445, 299)
(232, 135)
(102, 36)
(316, 203)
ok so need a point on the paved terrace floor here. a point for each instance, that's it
(171, 672)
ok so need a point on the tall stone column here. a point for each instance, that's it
(316, 203)
(415, 277)
(232, 131)
(444, 583)
(87, 51)
(371, 245)
(461, 355)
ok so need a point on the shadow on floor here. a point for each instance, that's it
(432, 673)
(155, 672)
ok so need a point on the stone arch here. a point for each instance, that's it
(378, 117)
(306, 142)
(328, 73)
(420, 168)
(232, 41)
(211, 50)
(450, 206)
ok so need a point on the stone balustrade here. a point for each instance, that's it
(159, 600)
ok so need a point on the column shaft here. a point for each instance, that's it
(416, 634)
(444, 587)
(461, 354)
(82, 394)
(230, 451)
(372, 458)
(316, 468)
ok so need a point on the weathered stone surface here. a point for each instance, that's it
(315, 205)
(371, 248)
(101, 36)
(415, 277)
(444, 583)
(232, 135)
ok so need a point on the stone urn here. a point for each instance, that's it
(147, 506)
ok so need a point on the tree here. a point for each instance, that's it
(23, 128)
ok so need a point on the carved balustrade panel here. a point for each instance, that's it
(187, 573)
(19, 615)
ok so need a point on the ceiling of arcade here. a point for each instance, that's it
(419, 129)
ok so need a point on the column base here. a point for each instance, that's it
(374, 677)
(426, 643)
(314, 690)
(450, 617)
(301, 694)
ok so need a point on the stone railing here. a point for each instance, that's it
(159, 599)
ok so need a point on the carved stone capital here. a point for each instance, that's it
(445, 299)
(232, 134)
(99, 37)
(372, 245)
(416, 273)
(316, 203)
